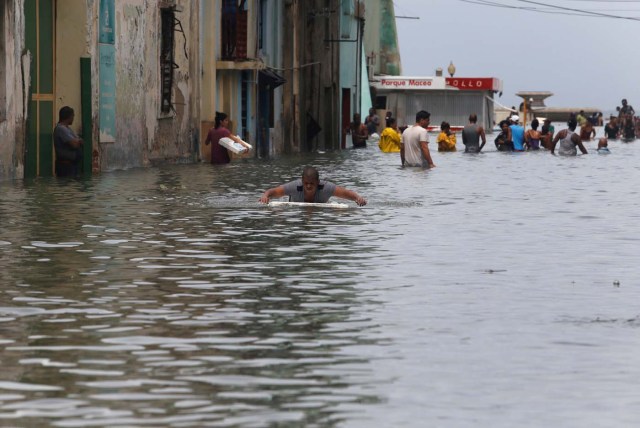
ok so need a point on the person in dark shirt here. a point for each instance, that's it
(311, 189)
(67, 145)
(372, 122)
(503, 140)
(219, 154)
(611, 129)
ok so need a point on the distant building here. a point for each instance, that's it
(450, 99)
(536, 107)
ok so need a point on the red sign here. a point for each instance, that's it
(474, 83)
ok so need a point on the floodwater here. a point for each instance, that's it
(496, 290)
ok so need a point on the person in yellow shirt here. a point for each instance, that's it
(390, 137)
(446, 138)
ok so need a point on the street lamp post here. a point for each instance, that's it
(524, 113)
(451, 69)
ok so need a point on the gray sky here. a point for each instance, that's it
(585, 61)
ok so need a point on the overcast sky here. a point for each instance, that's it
(585, 61)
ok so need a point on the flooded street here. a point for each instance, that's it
(498, 289)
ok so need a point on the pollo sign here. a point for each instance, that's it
(473, 83)
(393, 83)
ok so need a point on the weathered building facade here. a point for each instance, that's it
(145, 78)
(313, 66)
(278, 72)
(242, 53)
(12, 97)
(127, 68)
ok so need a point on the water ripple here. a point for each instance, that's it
(170, 297)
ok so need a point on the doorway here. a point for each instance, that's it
(39, 18)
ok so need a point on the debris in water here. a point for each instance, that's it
(494, 270)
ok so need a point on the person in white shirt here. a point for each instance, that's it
(414, 149)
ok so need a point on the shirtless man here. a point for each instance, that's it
(628, 127)
(358, 132)
(626, 109)
(587, 133)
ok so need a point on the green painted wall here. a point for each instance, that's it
(389, 52)
(87, 124)
(381, 37)
(39, 38)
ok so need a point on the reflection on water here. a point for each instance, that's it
(497, 289)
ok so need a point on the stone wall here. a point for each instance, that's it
(145, 135)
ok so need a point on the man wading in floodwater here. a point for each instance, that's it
(471, 135)
(311, 189)
(569, 140)
(414, 148)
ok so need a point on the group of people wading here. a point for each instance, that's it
(412, 141)
(626, 126)
(513, 137)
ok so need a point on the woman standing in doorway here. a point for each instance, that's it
(220, 154)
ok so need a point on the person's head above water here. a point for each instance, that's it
(534, 124)
(603, 143)
(310, 172)
(310, 179)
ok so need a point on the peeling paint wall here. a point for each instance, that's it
(144, 134)
(70, 46)
(12, 127)
(271, 54)
(207, 52)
